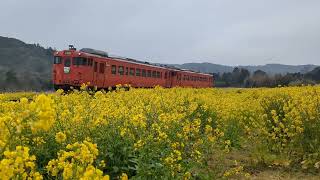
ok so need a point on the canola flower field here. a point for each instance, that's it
(159, 133)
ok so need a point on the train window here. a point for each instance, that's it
(101, 69)
(154, 74)
(161, 75)
(137, 72)
(127, 70)
(80, 61)
(149, 73)
(89, 62)
(84, 61)
(143, 73)
(121, 70)
(57, 60)
(67, 62)
(95, 67)
(113, 69)
(165, 75)
(76, 61)
(131, 71)
(158, 74)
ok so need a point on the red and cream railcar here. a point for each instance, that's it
(72, 68)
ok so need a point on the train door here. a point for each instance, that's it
(178, 77)
(173, 78)
(58, 70)
(95, 73)
(67, 69)
(101, 74)
(167, 76)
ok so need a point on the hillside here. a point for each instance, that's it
(205, 67)
(281, 68)
(24, 66)
(268, 68)
(314, 74)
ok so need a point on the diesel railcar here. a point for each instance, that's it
(71, 68)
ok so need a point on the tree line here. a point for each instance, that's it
(241, 77)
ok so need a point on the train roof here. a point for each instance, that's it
(94, 51)
(106, 55)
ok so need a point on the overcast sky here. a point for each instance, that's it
(231, 32)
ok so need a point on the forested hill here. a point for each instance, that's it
(270, 69)
(24, 66)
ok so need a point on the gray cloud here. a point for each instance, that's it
(217, 31)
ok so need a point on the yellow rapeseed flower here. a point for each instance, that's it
(61, 137)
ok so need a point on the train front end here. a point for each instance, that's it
(70, 69)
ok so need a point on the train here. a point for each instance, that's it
(98, 69)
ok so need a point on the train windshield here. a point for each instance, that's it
(80, 61)
(67, 62)
(57, 60)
